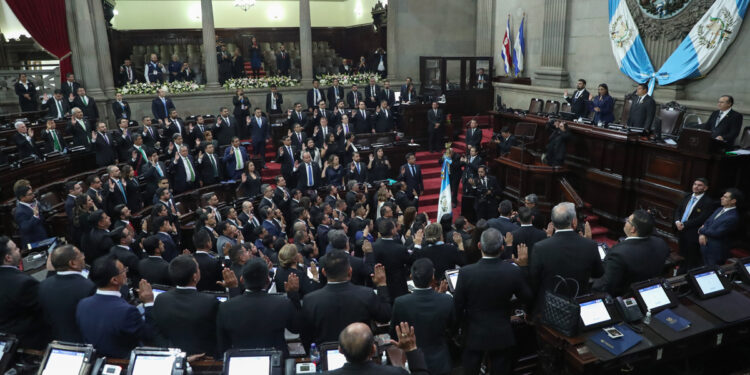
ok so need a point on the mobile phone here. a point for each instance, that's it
(613, 332)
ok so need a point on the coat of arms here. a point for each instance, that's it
(716, 29)
(662, 9)
(621, 32)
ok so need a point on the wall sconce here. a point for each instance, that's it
(358, 9)
(195, 13)
(275, 12)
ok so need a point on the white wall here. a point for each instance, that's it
(9, 24)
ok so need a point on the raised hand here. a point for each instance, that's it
(31, 132)
(407, 341)
(244, 177)
(231, 151)
(378, 275)
(145, 293)
(418, 237)
(230, 279)
(509, 239)
(289, 132)
(523, 255)
(292, 283)
(93, 136)
(591, 97)
(565, 93)
(366, 247)
(176, 157)
(314, 269)
(372, 157)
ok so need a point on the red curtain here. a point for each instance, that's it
(46, 21)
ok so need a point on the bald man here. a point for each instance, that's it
(357, 344)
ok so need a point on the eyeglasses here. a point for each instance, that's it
(124, 270)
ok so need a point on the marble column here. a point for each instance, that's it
(305, 42)
(391, 51)
(82, 39)
(209, 45)
(485, 12)
(552, 72)
(107, 81)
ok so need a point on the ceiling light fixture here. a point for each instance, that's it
(244, 4)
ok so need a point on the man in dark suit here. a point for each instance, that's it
(471, 163)
(579, 101)
(503, 222)
(725, 123)
(125, 249)
(226, 127)
(161, 106)
(298, 136)
(173, 124)
(99, 239)
(186, 318)
(79, 128)
(411, 173)
(57, 107)
(527, 234)
(154, 268)
(639, 257)
(482, 299)
(329, 310)
(59, 294)
(121, 108)
(361, 119)
(103, 146)
(643, 108)
(296, 116)
(53, 140)
(345, 67)
(354, 97)
(335, 92)
(20, 311)
(209, 263)
(566, 253)
(315, 95)
(24, 140)
(260, 132)
(384, 118)
(109, 322)
(443, 256)
(357, 170)
(690, 214)
(234, 159)
(372, 92)
(403, 198)
(209, 168)
(127, 73)
(274, 100)
(123, 141)
(87, 105)
(387, 94)
(393, 256)
(484, 188)
(435, 128)
(308, 173)
(30, 222)
(257, 319)
(182, 168)
(483, 80)
(283, 61)
(505, 141)
(287, 154)
(719, 230)
(70, 87)
(150, 135)
(357, 343)
(557, 146)
(473, 134)
(164, 229)
(432, 315)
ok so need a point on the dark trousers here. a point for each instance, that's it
(499, 361)
(689, 249)
(259, 149)
(435, 137)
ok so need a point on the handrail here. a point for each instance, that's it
(570, 192)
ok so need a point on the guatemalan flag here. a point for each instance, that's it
(518, 48)
(505, 51)
(627, 46)
(445, 205)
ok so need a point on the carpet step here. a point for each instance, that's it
(599, 231)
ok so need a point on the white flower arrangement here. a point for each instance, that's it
(143, 88)
(348, 80)
(257, 83)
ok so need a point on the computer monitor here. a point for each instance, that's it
(252, 361)
(653, 296)
(706, 282)
(156, 361)
(452, 277)
(330, 357)
(220, 296)
(744, 269)
(63, 358)
(8, 346)
(159, 289)
(397, 96)
(594, 313)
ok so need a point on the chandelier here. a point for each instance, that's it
(244, 4)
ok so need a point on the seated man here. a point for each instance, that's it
(24, 140)
(357, 344)
(106, 320)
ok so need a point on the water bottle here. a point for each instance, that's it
(314, 355)
(647, 319)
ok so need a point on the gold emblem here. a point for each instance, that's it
(716, 29)
(621, 32)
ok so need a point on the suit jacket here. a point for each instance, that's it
(279, 102)
(472, 166)
(311, 97)
(150, 137)
(482, 300)
(362, 121)
(384, 123)
(227, 129)
(416, 360)
(504, 225)
(433, 317)
(397, 262)
(124, 78)
(58, 298)
(557, 147)
(729, 127)
(631, 261)
(350, 102)
(52, 110)
(239, 102)
(129, 257)
(30, 228)
(642, 115)
(505, 144)
(81, 137)
(20, 311)
(371, 100)
(177, 169)
(176, 125)
(528, 235)
(701, 211)
(230, 162)
(413, 181)
(256, 320)
(24, 148)
(112, 325)
(475, 139)
(158, 110)
(67, 89)
(302, 178)
(295, 119)
(579, 105)
(327, 311)
(90, 110)
(283, 63)
(299, 139)
(389, 96)
(186, 319)
(121, 110)
(155, 270)
(404, 200)
(444, 257)
(26, 104)
(49, 142)
(566, 254)
(105, 151)
(332, 97)
(433, 118)
(123, 145)
(206, 169)
(259, 131)
(98, 244)
(719, 232)
(170, 247)
(211, 267)
(358, 175)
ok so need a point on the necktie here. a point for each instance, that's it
(372, 90)
(213, 164)
(323, 113)
(346, 129)
(289, 152)
(325, 132)
(413, 171)
(721, 117)
(336, 92)
(164, 103)
(191, 172)
(55, 141)
(70, 84)
(472, 131)
(578, 94)
(356, 98)
(688, 208)
(309, 175)
(299, 116)
(226, 121)
(640, 100)
(158, 169)
(122, 190)
(387, 94)
(386, 113)
(317, 96)
(85, 102)
(358, 171)
(273, 101)
(472, 159)
(259, 121)
(484, 181)
(143, 153)
(238, 158)
(124, 114)
(105, 138)
(59, 109)
(720, 213)
(299, 138)
(130, 74)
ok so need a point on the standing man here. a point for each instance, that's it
(283, 61)
(411, 174)
(435, 127)
(26, 92)
(120, 107)
(483, 81)
(87, 105)
(20, 313)
(234, 159)
(372, 92)
(127, 74)
(643, 108)
(103, 146)
(161, 106)
(57, 108)
(153, 70)
(260, 132)
(387, 94)
(720, 228)
(579, 101)
(314, 95)
(274, 100)
(70, 87)
(690, 214)
(226, 127)
(725, 123)
(335, 92)
(183, 170)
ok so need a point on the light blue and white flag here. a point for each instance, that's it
(706, 43)
(627, 45)
(445, 204)
(518, 47)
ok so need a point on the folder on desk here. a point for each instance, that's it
(672, 320)
(619, 345)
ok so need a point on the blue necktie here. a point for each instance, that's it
(689, 207)
(309, 175)
(124, 115)
(158, 169)
(166, 112)
(413, 171)
(119, 184)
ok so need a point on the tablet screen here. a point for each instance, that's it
(747, 267)
(335, 359)
(63, 362)
(2, 349)
(709, 282)
(593, 312)
(654, 296)
(221, 298)
(249, 365)
(157, 292)
(453, 279)
(153, 365)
